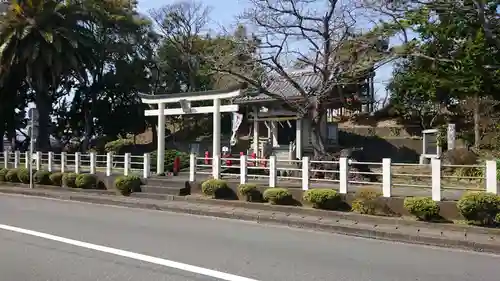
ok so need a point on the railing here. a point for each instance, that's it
(389, 177)
(80, 162)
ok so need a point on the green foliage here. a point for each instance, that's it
(250, 192)
(56, 179)
(69, 180)
(86, 181)
(367, 201)
(217, 189)
(127, 184)
(278, 196)
(327, 199)
(424, 208)
(170, 155)
(119, 146)
(11, 176)
(3, 172)
(42, 177)
(479, 207)
(23, 175)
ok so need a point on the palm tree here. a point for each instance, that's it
(50, 40)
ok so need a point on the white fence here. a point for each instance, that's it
(79, 162)
(433, 176)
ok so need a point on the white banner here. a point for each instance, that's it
(237, 120)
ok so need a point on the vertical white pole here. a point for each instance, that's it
(147, 166)
(109, 163)
(274, 133)
(63, 162)
(77, 162)
(386, 177)
(216, 140)
(255, 132)
(27, 159)
(93, 162)
(344, 174)
(436, 179)
(160, 151)
(17, 159)
(298, 139)
(38, 160)
(192, 167)
(491, 177)
(50, 166)
(6, 159)
(305, 173)
(243, 169)
(126, 165)
(272, 171)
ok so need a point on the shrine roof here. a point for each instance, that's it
(281, 87)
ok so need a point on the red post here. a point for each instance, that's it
(207, 155)
(228, 161)
(177, 165)
(254, 156)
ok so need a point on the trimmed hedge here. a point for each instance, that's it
(216, 189)
(250, 192)
(118, 146)
(424, 208)
(86, 181)
(127, 184)
(56, 179)
(170, 155)
(23, 175)
(479, 207)
(11, 176)
(69, 180)
(366, 201)
(42, 177)
(278, 196)
(327, 199)
(3, 172)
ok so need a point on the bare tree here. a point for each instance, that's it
(322, 36)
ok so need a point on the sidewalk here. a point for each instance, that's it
(443, 235)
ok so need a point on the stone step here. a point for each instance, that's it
(168, 190)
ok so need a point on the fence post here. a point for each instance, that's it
(491, 177)
(6, 159)
(63, 162)
(27, 158)
(38, 161)
(192, 167)
(50, 165)
(126, 164)
(386, 177)
(109, 163)
(17, 158)
(146, 169)
(436, 179)
(77, 162)
(216, 166)
(243, 169)
(344, 174)
(93, 162)
(272, 171)
(305, 173)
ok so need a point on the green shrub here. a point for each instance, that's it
(217, 189)
(137, 182)
(424, 208)
(327, 199)
(170, 155)
(42, 177)
(69, 180)
(56, 179)
(118, 146)
(366, 201)
(23, 175)
(278, 196)
(3, 172)
(250, 192)
(479, 207)
(126, 184)
(11, 176)
(497, 218)
(86, 181)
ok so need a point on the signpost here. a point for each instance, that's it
(33, 133)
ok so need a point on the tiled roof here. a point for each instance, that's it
(279, 86)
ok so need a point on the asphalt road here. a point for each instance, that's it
(260, 252)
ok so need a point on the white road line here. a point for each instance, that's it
(131, 255)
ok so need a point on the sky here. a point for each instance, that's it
(224, 13)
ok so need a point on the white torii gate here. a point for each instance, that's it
(185, 99)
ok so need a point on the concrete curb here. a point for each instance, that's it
(316, 225)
